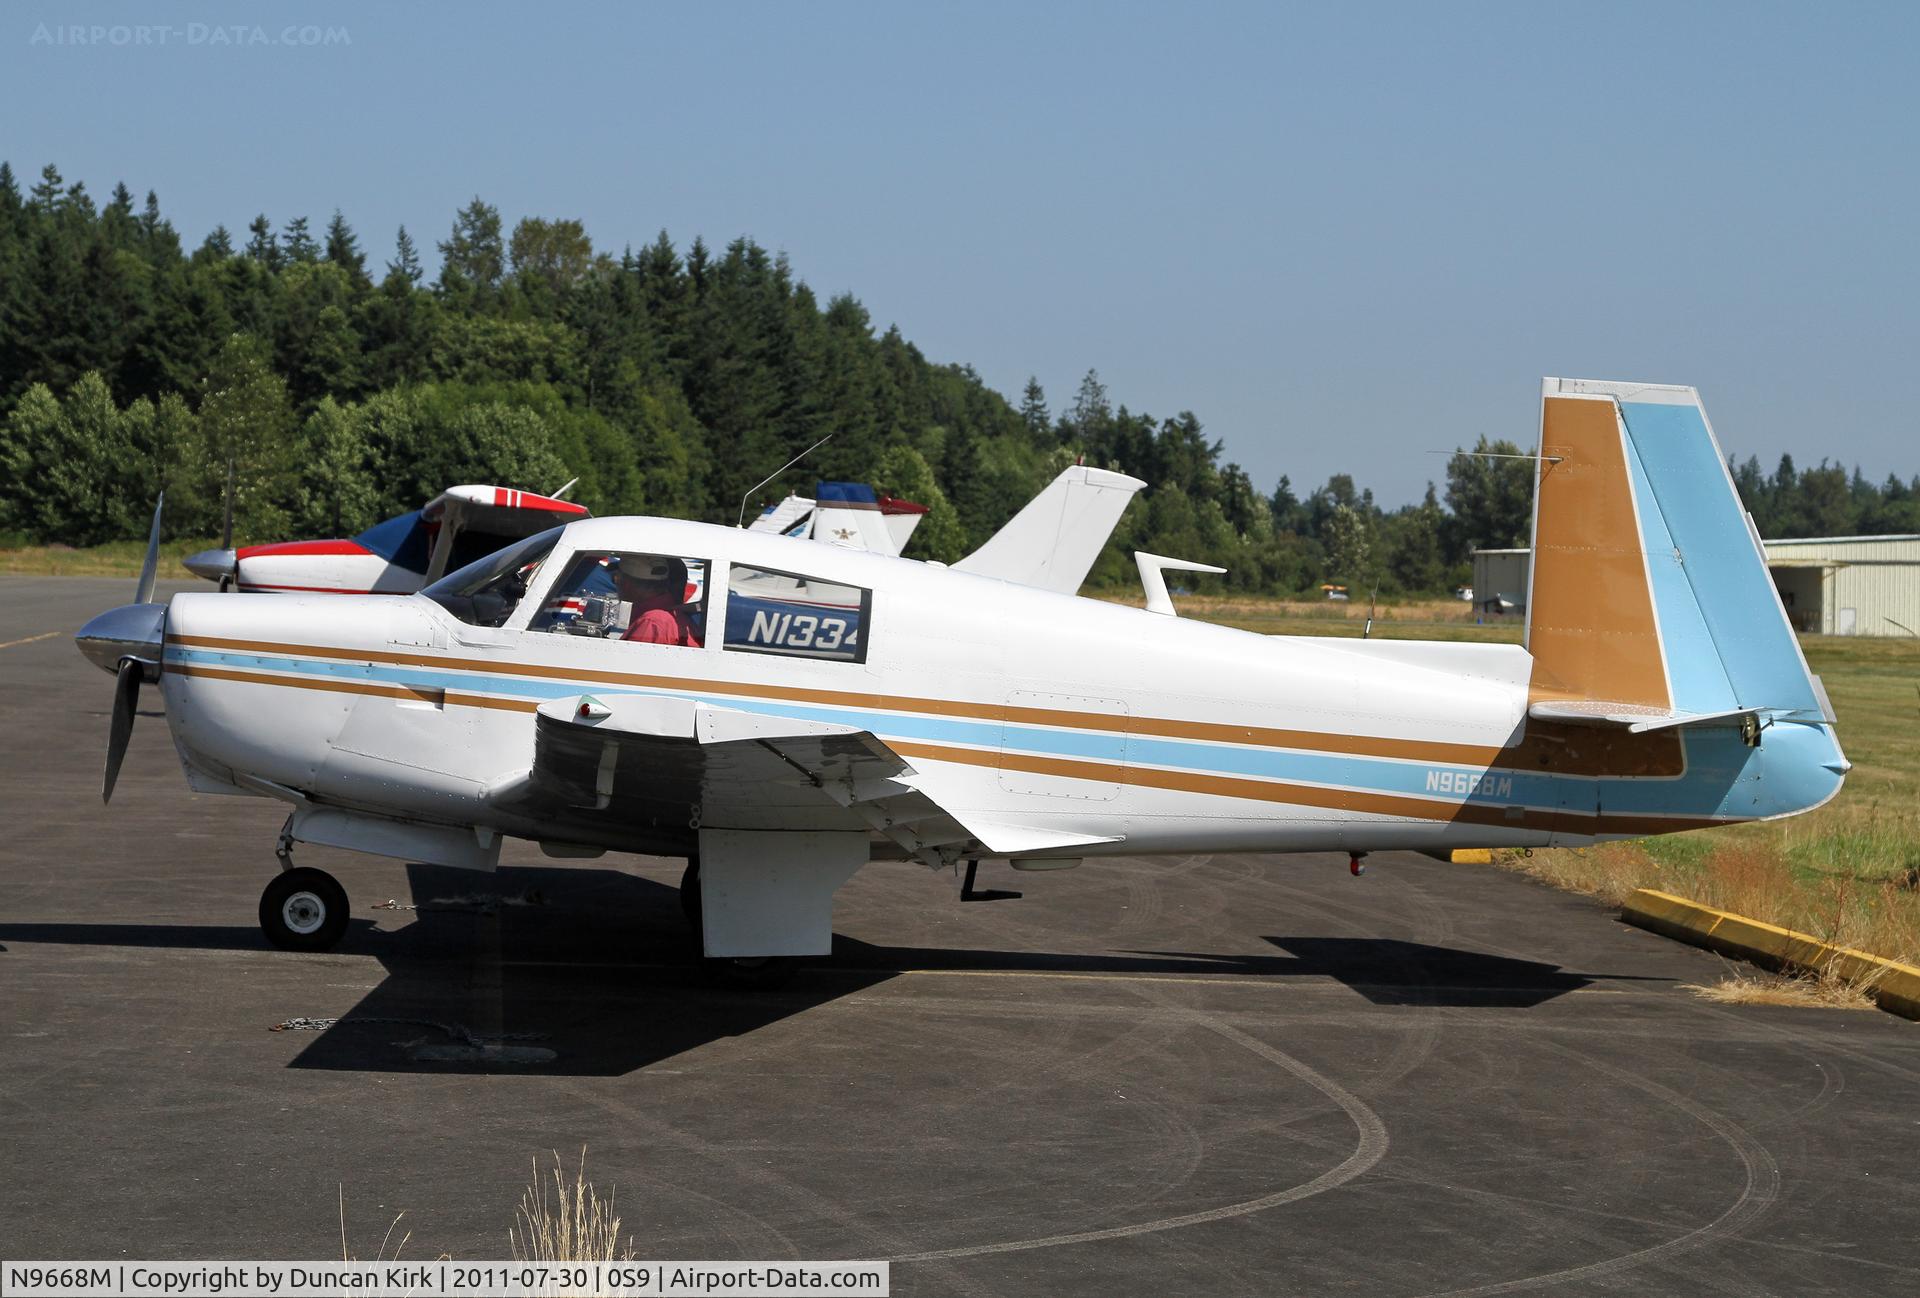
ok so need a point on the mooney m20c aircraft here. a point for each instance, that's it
(822, 708)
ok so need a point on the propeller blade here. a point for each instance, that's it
(143, 593)
(126, 699)
(226, 524)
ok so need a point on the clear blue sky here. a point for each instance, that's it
(1343, 235)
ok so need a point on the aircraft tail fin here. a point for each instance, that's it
(1650, 603)
(1053, 541)
(847, 514)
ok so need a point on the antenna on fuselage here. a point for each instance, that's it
(742, 520)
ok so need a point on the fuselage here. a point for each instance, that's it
(1162, 734)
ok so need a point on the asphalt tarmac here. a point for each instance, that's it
(1219, 1075)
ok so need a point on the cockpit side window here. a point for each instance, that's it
(486, 592)
(772, 612)
(644, 598)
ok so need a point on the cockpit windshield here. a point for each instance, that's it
(486, 592)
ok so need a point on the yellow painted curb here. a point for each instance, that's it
(1894, 985)
(1472, 856)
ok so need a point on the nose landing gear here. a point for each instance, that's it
(304, 909)
(1354, 865)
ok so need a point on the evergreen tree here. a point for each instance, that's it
(218, 245)
(1033, 413)
(343, 250)
(297, 244)
(1091, 412)
(473, 258)
(263, 247)
(45, 200)
(406, 259)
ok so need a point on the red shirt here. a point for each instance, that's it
(661, 625)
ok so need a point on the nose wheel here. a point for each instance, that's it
(304, 909)
(1356, 863)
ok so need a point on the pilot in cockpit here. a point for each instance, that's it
(656, 587)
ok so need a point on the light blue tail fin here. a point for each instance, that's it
(1650, 594)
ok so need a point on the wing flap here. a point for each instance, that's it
(1635, 718)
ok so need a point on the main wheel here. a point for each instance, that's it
(304, 909)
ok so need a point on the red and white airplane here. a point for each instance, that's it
(399, 556)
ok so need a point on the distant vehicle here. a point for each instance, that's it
(1464, 593)
(824, 708)
(1332, 591)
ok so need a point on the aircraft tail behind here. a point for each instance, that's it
(1650, 604)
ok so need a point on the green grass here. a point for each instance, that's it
(114, 559)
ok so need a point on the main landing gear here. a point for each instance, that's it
(760, 972)
(1354, 863)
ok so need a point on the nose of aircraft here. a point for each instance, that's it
(214, 565)
(130, 631)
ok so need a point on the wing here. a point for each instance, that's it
(654, 762)
(500, 511)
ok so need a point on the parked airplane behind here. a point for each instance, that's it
(839, 707)
(847, 514)
(395, 557)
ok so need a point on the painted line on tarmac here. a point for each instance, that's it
(29, 639)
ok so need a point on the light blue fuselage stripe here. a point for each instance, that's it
(1714, 759)
(1730, 581)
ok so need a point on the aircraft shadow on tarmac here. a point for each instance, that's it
(491, 977)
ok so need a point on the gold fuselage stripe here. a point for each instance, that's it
(1420, 750)
(1341, 799)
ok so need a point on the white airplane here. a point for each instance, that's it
(394, 557)
(823, 708)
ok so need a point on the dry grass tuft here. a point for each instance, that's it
(1744, 986)
(566, 1222)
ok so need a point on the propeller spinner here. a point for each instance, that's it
(127, 641)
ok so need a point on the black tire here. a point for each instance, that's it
(304, 909)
